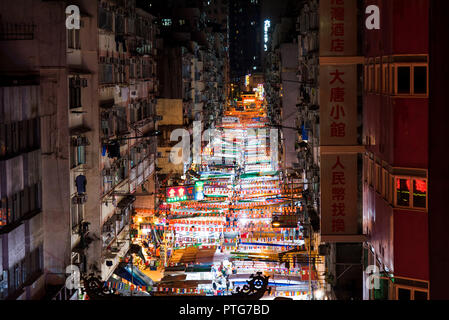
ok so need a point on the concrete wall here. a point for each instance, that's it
(171, 111)
(289, 66)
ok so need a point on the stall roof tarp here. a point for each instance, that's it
(134, 276)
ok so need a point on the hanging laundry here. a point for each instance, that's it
(81, 183)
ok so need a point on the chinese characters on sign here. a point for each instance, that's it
(339, 119)
(186, 193)
(339, 105)
(338, 32)
(337, 26)
(339, 195)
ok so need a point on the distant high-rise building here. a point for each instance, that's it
(245, 37)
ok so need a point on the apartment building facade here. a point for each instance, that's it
(396, 161)
(78, 110)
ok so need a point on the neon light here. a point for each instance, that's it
(267, 25)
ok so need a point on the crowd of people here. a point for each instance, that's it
(221, 273)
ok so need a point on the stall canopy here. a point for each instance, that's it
(133, 275)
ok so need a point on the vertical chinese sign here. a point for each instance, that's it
(338, 28)
(338, 110)
(339, 195)
(338, 120)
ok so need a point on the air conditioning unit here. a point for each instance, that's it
(133, 94)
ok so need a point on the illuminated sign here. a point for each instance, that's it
(178, 194)
(199, 190)
(267, 25)
(247, 80)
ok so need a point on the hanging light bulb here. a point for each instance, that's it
(275, 223)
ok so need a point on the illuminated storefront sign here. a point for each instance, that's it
(178, 194)
(186, 193)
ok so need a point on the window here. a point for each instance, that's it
(378, 79)
(74, 93)
(403, 85)
(366, 77)
(411, 192)
(105, 19)
(404, 294)
(378, 178)
(403, 192)
(385, 77)
(391, 189)
(420, 295)
(166, 22)
(392, 77)
(411, 79)
(22, 271)
(365, 168)
(420, 80)
(77, 213)
(78, 151)
(73, 39)
(419, 193)
(20, 136)
(384, 184)
(410, 293)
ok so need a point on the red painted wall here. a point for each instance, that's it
(400, 128)
(411, 26)
(378, 122)
(411, 133)
(403, 30)
(411, 250)
(378, 224)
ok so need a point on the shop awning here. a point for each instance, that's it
(133, 275)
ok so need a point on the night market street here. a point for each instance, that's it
(224, 158)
